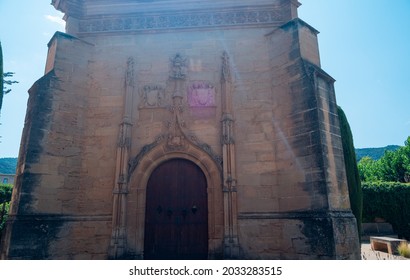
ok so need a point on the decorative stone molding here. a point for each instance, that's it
(231, 241)
(226, 68)
(201, 94)
(295, 215)
(140, 172)
(178, 67)
(161, 140)
(120, 188)
(144, 22)
(124, 139)
(227, 130)
(152, 96)
(177, 75)
(129, 77)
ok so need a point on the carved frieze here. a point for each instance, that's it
(152, 96)
(201, 94)
(146, 22)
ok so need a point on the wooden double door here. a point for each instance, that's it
(176, 216)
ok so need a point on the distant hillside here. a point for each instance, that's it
(374, 153)
(8, 165)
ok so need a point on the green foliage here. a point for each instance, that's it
(8, 165)
(8, 82)
(5, 197)
(1, 77)
(404, 250)
(393, 166)
(369, 169)
(5, 192)
(406, 160)
(390, 201)
(3, 80)
(352, 172)
(3, 215)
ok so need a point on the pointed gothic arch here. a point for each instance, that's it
(144, 164)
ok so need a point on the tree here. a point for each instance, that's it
(1, 77)
(406, 160)
(393, 166)
(4, 79)
(352, 172)
(8, 82)
(5, 197)
(369, 169)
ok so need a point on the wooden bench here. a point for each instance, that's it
(386, 244)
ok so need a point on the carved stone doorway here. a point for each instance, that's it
(176, 215)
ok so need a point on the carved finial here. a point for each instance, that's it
(129, 78)
(178, 67)
(226, 67)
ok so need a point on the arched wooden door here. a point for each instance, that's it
(176, 215)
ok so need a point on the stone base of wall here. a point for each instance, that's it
(298, 236)
(59, 237)
(284, 236)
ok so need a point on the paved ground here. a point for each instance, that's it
(369, 254)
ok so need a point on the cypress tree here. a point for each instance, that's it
(352, 172)
(1, 77)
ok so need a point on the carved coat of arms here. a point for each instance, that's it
(152, 96)
(201, 94)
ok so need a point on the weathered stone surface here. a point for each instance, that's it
(115, 103)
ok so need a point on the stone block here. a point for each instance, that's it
(295, 203)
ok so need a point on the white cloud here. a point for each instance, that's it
(55, 19)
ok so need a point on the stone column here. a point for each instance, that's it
(120, 190)
(231, 243)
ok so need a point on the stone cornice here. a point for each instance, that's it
(183, 20)
(73, 8)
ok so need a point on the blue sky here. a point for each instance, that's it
(364, 45)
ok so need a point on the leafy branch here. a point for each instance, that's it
(8, 82)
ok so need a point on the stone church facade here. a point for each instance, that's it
(181, 129)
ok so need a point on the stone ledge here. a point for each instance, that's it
(56, 217)
(295, 215)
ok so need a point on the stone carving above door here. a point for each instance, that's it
(178, 74)
(176, 125)
(177, 95)
(152, 96)
(201, 94)
(179, 67)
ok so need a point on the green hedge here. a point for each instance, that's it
(5, 197)
(352, 172)
(5, 192)
(389, 201)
